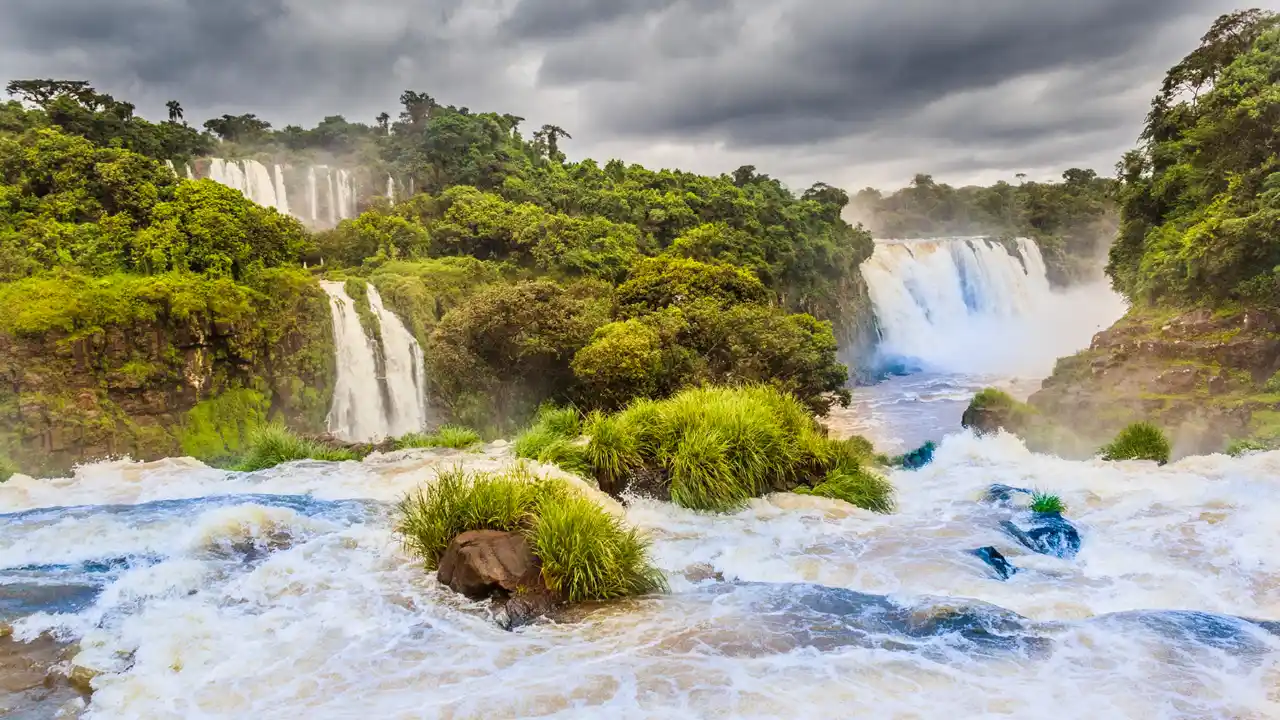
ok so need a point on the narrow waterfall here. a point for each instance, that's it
(969, 305)
(313, 195)
(405, 372)
(371, 403)
(358, 413)
(282, 195)
(331, 194)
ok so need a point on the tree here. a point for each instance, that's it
(238, 128)
(384, 122)
(417, 107)
(175, 111)
(549, 136)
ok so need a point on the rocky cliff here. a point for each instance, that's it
(158, 366)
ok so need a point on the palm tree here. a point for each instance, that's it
(175, 111)
(551, 134)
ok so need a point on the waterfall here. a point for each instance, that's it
(333, 209)
(405, 373)
(391, 189)
(313, 194)
(282, 198)
(970, 305)
(252, 179)
(369, 405)
(357, 413)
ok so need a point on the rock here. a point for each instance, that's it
(1050, 534)
(997, 562)
(1003, 494)
(919, 457)
(486, 563)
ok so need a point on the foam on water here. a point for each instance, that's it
(284, 593)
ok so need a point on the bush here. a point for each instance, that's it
(719, 447)
(586, 553)
(623, 361)
(856, 486)
(1237, 448)
(1139, 441)
(455, 437)
(657, 283)
(273, 445)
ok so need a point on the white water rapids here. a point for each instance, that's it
(203, 593)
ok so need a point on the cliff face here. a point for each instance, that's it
(156, 374)
(1203, 376)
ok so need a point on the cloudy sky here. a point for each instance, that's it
(850, 92)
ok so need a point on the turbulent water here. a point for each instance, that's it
(330, 193)
(202, 593)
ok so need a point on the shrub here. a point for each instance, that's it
(552, 439)
(622, 361)
(456, 437)
(657, 283)
(272, 445)
(856, 486)
(1238, 448)
(1139, 441)
(718, 447)
(1047, 503)
(586, 553)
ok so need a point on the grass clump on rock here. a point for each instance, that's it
(273, 445)
(1139, 441)
(586, 552)
(1047, 503)
(554, 439)
(714, 448)
(455, 437)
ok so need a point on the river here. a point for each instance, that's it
(199, 593)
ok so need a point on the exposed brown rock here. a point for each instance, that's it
(484, 563)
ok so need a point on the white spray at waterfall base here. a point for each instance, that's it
(967, 305)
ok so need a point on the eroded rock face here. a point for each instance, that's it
(484, 564)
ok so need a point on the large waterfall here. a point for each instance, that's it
(331, 194)
(972, 305)
(380, 391)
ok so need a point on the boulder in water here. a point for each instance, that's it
(1049, 534)
(1003, 494)
(485, 564)
(996, 561)
(919, 457)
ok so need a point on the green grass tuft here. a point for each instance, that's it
(455, 437)
(8, 468)
(272, 445)
(586, 552)
(856, 486)
(1047, 503)
(553, 439)
(720, 447)
(1139, 441)
(1238, 448)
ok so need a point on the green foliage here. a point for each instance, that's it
(553, 439)
(1239, 448)
(275, 444)
(217, 429)
(657, 283)
(1200, 199)
(1139, 441)
(1047, 503)
(507, 349)
(589, 554)
(719, 447)
(586, 553)
(857, 486)
(8, 468)
(374, 238)
(455, 437)
(1273, 384)
(624, 360)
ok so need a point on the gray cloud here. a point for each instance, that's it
(847, 91)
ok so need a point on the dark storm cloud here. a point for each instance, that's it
(848, 91)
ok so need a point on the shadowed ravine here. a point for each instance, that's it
(197, 591)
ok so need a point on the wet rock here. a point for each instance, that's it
(1003, 494)
(483, 563)
(997, 562)
(1049, 534)
(702, 572)
(919, 457)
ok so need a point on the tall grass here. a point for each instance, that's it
(553, 439)
(1139, 441)
(1236, 448)
(272, 445)
(719, 447)
(455, 437)
(586, 553)
(1042, 502)
(856, 486)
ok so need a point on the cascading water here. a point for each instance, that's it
(335, 197)
(358, 412)
(372, 400)
(406, 377)
(961, 314)
(251, 178)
